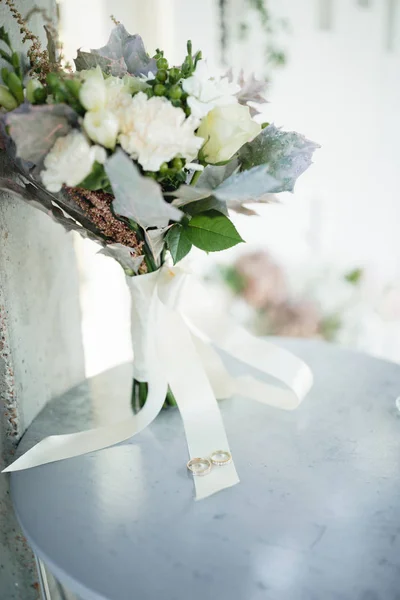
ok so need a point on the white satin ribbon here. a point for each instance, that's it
(178, 349)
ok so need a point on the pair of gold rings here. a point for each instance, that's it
(203, 466)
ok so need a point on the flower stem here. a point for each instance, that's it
(139, 396)
(195, 177)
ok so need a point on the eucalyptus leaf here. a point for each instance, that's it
(178, 242)
(126, 257)
(34, 129)
(212, 232)
(137, 197)
(287, 154)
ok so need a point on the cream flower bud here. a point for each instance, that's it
(93, 95)
(225, 129)
(33, 84)
(7, 100)
(102, 127)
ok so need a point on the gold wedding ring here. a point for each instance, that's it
(220, 458)
(199, 466)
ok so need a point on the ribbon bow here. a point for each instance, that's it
(178, 348)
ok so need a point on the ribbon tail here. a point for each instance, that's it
(61, 447)
(279, 378)
(202, 420)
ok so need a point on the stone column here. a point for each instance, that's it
(41, 351)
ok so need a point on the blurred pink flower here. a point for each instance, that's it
(292, 320)
(263, 280)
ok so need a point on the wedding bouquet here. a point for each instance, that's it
(145, 158)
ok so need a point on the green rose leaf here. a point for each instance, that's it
(210, 203)
(286, 153)
(97, 179)
(212, 232)
(137, 197)
(178, 242)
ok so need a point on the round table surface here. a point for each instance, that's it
(315, 517)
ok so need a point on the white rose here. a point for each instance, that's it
(153, 131)
(93, 91)
(70, 161)
(207, 92)
(102, 127)
(225, 129)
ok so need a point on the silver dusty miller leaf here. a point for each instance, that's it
(246, 187)
(123, 53)
(126, 257)
(251, 90)
(286, 153)
(137, 197)
(34, 129)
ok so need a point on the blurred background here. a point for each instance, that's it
(322, 262)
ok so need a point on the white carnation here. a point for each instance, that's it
(207, 92)
(154, 131)
(70, 161)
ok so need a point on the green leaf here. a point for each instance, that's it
(286, 153)
(137, 197)
(212, 232)
(178, 243)
(97, 179)
(354, 276)
(206, 204)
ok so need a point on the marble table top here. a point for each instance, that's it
(315, 517)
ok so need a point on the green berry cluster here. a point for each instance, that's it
(171, 175)
(64, 89)
(168, 79)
